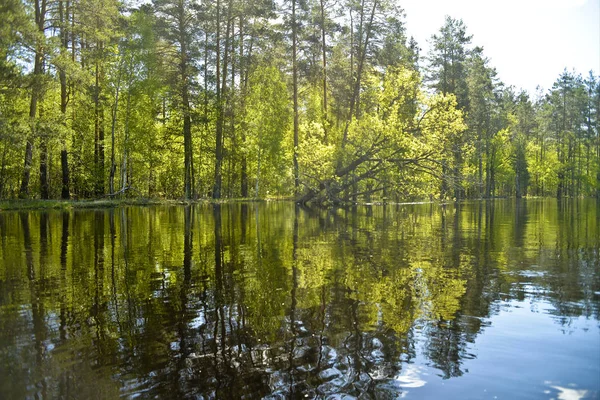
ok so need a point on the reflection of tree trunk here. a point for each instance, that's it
(243, 223)
(183, 296)
(358, 346)
(28, 248)
(187, 244)
(457, 236)
(293, 300)
(64, 245)
(125, 246)
(98, 306)
(489, 224)
(113, 235)
(443, 232)
(43, 242)
(219, 300)
(322, 314)
(520, 222)
(64, 386)
(37, 306)
(258, 241)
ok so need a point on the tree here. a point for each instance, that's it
(177, 21)
(267, 121)
(447, 74)
(197, 96)
(523, 132)
(566, 104)
(392, 136)
(447, 62)
(481, 87)
(37, 83)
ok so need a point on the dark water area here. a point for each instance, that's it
(478, 300)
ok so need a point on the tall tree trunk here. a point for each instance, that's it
(96, 129)
(361, 55)
(44, 184)
(101, 154)
(232, 111)
(126, 140)
(295, 95)
(113, 165)
(488, 172)
(187, 141)
(244, 85)
(324, 48)
(40, 15)
(219, 123)
(561, 190)
(98, 132)
(64, 161)
(206, 52)
(458, 192)
(225, 97)
(598, 166)
(3, 170)
(598, 155)
(479, 164)
(187, 122)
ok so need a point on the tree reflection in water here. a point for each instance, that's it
(274, 300)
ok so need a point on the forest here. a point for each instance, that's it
(321, 101)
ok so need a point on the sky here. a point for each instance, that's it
(529, 42)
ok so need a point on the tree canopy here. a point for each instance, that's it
(327, 102)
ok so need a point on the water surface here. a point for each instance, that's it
(477, 300)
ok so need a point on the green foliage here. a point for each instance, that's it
(160, 97)
(267, 117)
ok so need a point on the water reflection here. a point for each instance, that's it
(278, 301)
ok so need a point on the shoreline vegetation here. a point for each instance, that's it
(29, 204)
(40, 205)
(322, 102)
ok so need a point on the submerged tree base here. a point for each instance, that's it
(110, 203)
(68, 204)
(38, 204)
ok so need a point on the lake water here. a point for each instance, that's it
(478, 300)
